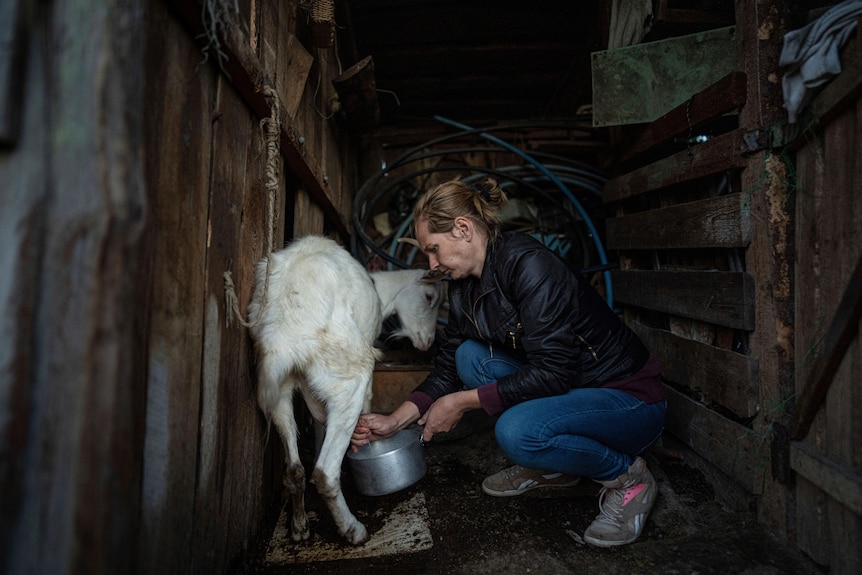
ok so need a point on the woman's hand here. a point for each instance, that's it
(445, 413)
(371, 427)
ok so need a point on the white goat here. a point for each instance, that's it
(315, 332)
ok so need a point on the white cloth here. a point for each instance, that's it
(811, 53)
(631, 20)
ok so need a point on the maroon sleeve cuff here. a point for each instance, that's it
(422, 400)
(490, 400)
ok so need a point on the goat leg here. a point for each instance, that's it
(294, 482)
(294, 475)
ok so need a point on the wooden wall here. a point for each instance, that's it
(73, 214)
(740, 270)
(825, 432)
(131, 441)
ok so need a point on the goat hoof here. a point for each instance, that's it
(300, 532)
(298, 536)
(357, 535)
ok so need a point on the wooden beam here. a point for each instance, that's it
(719, 375)
(842, 330)
(249, 78)
(724, 96)
(839, 482)
(714, 156)
(721, 222)
(722, 298)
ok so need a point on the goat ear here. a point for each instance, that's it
(411, 241)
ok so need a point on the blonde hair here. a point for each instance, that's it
(481, 202)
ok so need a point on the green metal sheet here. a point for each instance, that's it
(639, 84)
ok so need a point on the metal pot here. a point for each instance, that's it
(388, 465)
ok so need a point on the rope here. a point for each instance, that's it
(271, 131)
(323, 11)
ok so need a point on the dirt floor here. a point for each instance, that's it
(445, 524)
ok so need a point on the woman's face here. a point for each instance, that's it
(458, 253)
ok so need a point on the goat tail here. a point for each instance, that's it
(268, 396)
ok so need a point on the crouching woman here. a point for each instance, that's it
(530, 341)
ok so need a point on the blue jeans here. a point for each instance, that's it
(587, 432)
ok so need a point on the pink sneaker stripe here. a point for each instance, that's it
(633, 492)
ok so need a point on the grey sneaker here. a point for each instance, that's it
(516, 480)
(624, 504)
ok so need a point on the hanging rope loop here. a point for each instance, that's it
(271, 133)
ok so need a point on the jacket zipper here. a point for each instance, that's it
(471, 316)
(589, 347)
(512, 335)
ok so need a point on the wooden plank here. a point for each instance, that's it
(308, 218)
(828, 216)
(735, 450)
(724, 96)
(179, 136)
(760, 28)
(73, 208)
(720, 222)
(829, 353)
(638, 84)
(249, 78)
(235, 176)
(722, 153)
(837, 480)
(293, 78)
(390, 387)
(718, 375)
(722, 298)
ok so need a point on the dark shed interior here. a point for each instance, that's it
(153, 152)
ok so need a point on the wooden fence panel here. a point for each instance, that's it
(736, 450)
(226, 394)
(179, 132)
(829, 220)
(717, 375)
(72, 213)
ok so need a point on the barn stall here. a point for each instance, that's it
(153, 152)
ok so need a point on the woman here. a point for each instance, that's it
(530, 341)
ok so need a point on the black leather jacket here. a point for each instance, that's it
(531, 304)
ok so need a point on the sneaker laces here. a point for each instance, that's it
(511, 472)
(612, 511)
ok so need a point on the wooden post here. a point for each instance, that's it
(769, 258)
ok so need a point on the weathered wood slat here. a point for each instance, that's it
(827, 233)
(838, 481)
(722, 298)
(179, 125)
(843, 328)
(712, 157)
(721, 222)
(720, 375)
(249, 78)
(226, 502)
(724, 96)
(734, 449)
